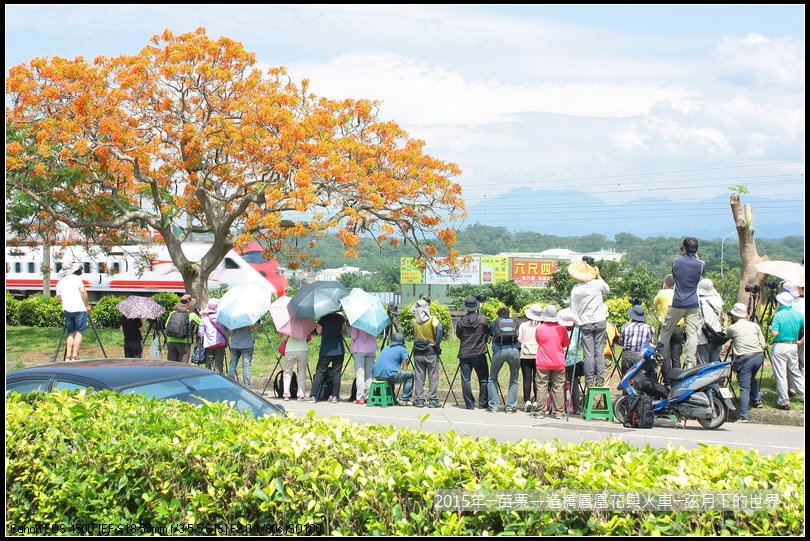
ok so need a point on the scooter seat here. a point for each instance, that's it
(677, 374)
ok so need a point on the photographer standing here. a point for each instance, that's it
(472, 330)
(788, 332)
(687, 271)
(590, 315)
(711, 306)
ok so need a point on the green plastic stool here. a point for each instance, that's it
(380, 394)
(589, 411)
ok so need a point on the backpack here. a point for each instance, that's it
(506, 331)
(178, 325)
(639, 412)
(278, 385)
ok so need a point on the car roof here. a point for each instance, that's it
(116, 373)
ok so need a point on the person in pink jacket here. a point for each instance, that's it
(552, 339)
(214, 337)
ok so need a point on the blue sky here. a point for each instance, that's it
(622, 102)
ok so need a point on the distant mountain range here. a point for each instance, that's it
(569, 213)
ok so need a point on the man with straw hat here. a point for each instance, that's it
(747, 346)
(590, 315)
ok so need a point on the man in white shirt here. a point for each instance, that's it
(75, 306)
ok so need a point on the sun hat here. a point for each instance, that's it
(566, 317)
(785, 298)
(187, 302)
(582, 272)
(421, 311)
(68, 268)
(471, 304)
(706, 288)
(739, 310)
(791, 288)
(550, 314)
(534, 312)
(398, 339)
(636, 313)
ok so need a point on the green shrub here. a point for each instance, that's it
(12, 305)
(617, 310)
(40, 311)
(105, 314)
(489, 308)
(122, 459)
(167, 301)
(405, 319)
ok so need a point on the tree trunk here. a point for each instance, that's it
(46, 265)
(744, 222)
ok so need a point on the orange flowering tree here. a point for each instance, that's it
(189, 136)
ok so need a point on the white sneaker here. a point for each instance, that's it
(528, 407)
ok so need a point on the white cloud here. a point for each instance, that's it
(760, 60)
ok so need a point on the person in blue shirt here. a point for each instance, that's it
(787, 330)
(390, 367)
(687, 271)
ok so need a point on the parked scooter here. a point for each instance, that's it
(695, 393)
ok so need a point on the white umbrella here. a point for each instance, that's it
(786, 270)
(244, 305)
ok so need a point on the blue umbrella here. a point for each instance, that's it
(244, 305)
(365, 312)
(317, 299)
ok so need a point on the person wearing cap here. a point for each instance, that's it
(427, 334)
(178, 348)
(787, 330)
(634, 336)
(574, 365)
(552, 339)
(747, 347)
(75, 306)
(662, 302)
(472, 330)
(687, 271)
(391, 366)
(590, 314)
(797, 291)
(214, 336)
(711, 307)
(504, 350)
(528, 355)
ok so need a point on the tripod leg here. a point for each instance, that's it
(59, 346)
(446, 375)
(273, 371)
(98, 338)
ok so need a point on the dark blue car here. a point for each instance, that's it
(155, 379)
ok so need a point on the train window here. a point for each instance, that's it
(86, 267)
(102, 267)
(230, 263)
(31, 268)
(18, 267)
(116, 267)
(254, 257)
(58, 266)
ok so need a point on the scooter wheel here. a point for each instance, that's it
(620, 408)
(718, 414)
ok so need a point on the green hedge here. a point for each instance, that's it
(107, 458)
(39, 311)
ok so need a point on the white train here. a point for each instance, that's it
(135, 269)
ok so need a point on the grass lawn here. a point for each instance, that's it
(28, 346)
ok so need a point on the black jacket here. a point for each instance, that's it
(473, 330)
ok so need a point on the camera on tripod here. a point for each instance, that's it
(635, 301)
(589, 260)
(753, 288)
(772, 283)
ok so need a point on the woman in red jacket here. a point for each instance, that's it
(552, 339)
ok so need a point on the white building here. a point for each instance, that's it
(334, 274)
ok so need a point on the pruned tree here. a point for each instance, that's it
(749, 255)
(190, 133)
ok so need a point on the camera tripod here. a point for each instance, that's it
(64, 336)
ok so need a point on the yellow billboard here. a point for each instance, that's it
(409, 272)
(494, 269)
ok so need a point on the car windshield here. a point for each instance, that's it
(212, 388)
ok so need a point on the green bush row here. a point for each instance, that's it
(41, 311)
(108, 458)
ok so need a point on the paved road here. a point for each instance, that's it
(767, 439)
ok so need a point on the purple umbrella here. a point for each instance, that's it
(286, 323)
(140, 307)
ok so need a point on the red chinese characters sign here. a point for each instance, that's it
(532, 272)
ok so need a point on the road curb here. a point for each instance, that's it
(759, 416)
